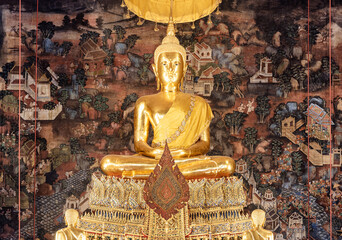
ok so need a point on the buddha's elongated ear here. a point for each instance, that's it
(185, 68)
(154, 67)
(158, 83)
(184, 73)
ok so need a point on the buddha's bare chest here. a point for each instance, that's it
(157, 109)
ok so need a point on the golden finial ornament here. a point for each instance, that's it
(123, 4)
(127, 15)
(156, 29)
(140, 22)
(209, 20)
(218, 12)
(193, 25)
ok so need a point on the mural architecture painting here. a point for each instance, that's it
(72, 72)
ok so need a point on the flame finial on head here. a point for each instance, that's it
(170, 28)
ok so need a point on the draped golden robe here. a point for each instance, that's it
(181, 127)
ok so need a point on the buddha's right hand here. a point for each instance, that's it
(142, 148)
(175, 153)
(157, 152)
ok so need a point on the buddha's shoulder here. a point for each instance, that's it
(146, 100)
(188, 96)
(200, 100)
(60, 234)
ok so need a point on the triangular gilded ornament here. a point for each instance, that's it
(166, 191)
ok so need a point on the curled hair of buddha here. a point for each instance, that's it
(170, 44)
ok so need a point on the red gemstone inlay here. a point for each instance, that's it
(167, 192)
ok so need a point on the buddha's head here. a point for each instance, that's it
(169, 62)
(258, 217)
(71, 217)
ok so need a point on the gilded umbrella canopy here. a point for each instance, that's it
(181, 11)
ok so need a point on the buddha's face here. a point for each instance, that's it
(169, 70)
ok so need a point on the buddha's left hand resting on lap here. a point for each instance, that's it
(180, 119)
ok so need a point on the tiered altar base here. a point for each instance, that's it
(118, 211)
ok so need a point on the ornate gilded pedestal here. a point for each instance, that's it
(118, 211)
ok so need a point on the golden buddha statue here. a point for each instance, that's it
(259, 233)
(180, 119)
(70, 232)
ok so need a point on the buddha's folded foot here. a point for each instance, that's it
(225, 166)
(128, 174)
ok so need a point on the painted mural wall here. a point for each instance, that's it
(264, 67)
